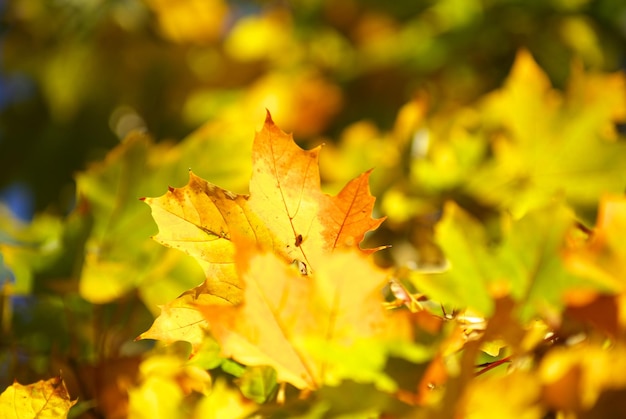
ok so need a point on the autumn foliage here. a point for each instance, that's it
(473, 269)
(277, 291)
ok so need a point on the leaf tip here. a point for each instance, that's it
(143, 198)
(268, 117)
(170, 189)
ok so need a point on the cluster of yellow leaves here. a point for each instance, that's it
(289, 293)
(545, 160)
(281, 292)
(577, 380)
(526, 142)
(284, 271)
(538, 164)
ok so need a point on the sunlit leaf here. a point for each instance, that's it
(286, 213)
(180, 320)
(526, 264)
(258, 383)
(283, 312)
(548, 143)
(286, 210)
(532, 253)
(471, 266)
(285, 193)
(43, 399)
(119, 255)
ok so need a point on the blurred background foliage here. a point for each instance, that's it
(77, 76)
(105, 101)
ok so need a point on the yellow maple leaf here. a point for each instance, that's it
(180, 319)
(43, 399)
(286, 210)
(287, 318)
(548, 143)
(285, 193)
(286, 213)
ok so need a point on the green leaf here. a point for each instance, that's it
(546, 143)
(362, 362)
(258, 383)
(233, 368)
(532, 256)
(120, 255)
(527, 264)
(207, 355)
(26, 249)
(471, 266)
(355, 401)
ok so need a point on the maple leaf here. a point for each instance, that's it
(546, 142)
(119, 255)
(286, 318)
(285, 192)
(286, 210)
(179, 321)
(525, 143)
(526, 264)
(286, 213)
(43, 399)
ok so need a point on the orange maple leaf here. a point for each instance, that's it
(601, 258)
(285, 193)
(286, 210)
(286, 213)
